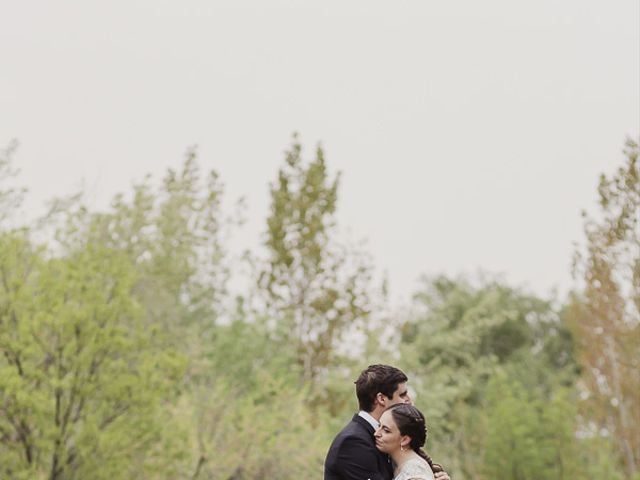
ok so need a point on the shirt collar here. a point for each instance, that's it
(372, 421)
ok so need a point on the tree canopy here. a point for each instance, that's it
(126, 354)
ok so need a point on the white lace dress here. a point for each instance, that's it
(415, 469)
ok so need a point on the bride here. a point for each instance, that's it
(401, 435)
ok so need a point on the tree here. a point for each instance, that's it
(459, 335)
(606, 313)
(248, 417)
(10, 197)
(315, 289)
(80, 391)
(529, 433)
(173, 236)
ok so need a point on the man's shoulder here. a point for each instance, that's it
(353, 450)
(357, 427)
(355, 434)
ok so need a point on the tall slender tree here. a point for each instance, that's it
(606, 314)
(316, 289)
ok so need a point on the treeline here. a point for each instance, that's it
(125, 354)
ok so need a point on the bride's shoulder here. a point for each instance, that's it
(415, 469)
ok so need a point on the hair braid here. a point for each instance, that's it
(435, 467)
(411, 422)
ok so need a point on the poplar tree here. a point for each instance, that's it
(315, 289)
(606, 314)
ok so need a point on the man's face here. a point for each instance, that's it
(401, 395)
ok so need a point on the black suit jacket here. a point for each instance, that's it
(353, 455)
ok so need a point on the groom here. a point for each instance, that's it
(353, 454)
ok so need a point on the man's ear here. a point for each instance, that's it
(381, 399)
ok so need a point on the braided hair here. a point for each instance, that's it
(411, 422)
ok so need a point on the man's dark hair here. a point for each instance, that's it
(377, 379)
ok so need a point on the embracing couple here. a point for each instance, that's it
(384, 440)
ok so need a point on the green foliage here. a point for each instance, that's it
(122, 359)
(265, 432)
(172, 235)
(461, 332)
(81, 393)
(459, 337)
(316, 290)
(530, 436)
(249, 415)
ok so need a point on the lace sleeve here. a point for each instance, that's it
(415, 470)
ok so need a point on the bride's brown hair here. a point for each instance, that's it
(411, 422)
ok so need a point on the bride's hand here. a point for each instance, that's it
(441, 476)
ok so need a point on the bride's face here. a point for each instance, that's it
(388, 437)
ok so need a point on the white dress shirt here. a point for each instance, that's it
(372, 421)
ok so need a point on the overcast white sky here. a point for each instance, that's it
(470, 134)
